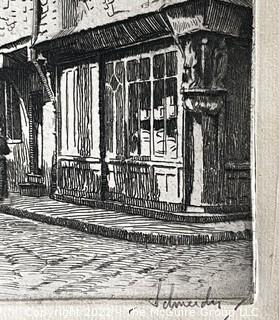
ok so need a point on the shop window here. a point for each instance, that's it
(13, 118)
(114, 104)
(139, 118)
(141, 106)
(165, 105)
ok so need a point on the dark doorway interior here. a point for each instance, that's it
(36, 132)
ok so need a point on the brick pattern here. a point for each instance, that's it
(39, 261)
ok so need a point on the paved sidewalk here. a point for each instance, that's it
(122, 225)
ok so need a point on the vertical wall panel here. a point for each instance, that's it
(80, 111)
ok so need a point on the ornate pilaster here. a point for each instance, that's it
(204, 96)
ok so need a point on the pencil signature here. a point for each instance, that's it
(171, 303)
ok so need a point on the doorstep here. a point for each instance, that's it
(120, 225)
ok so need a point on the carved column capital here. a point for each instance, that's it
(204, 101)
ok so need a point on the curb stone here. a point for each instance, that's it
(132, 236)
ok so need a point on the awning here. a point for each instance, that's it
(15, 53)
(232, 17)
(15, 45)
(14, 59)
(109, 36)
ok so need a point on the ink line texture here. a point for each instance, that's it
(129, 120)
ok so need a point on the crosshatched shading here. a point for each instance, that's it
(127, 124)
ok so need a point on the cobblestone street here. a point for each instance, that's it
(42, 261)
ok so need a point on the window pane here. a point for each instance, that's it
(159, 137)
(145, 69)
(109, 118)
(119, 121)
(119, 71)
(159, 116)
(108, 71)
(158, 93)
(171, 123)
(132, 70)
(145, 110)
(133, 119)
(171, 137)
(145, 95)
(171, 91)
(159, 66)
(171, 64)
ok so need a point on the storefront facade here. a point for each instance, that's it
(161, 123)
(27, 116)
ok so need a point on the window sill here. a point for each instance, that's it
(153, 162)
(78, 158)
(14, 141)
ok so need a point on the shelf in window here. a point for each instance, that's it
(204, 91)
(170, 117)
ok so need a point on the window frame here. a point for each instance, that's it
(153, 157)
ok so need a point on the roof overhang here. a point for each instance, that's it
(231, 17)
(15, 54)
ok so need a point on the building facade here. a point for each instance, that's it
(24, 103)
(144, 107)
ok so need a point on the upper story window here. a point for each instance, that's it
(141, 102)
(69, 14)
(73, 11)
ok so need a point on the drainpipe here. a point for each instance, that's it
(40, 64)
(43, 74)
(35, 28)
(35, 24)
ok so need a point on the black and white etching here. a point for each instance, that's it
(125, 150)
